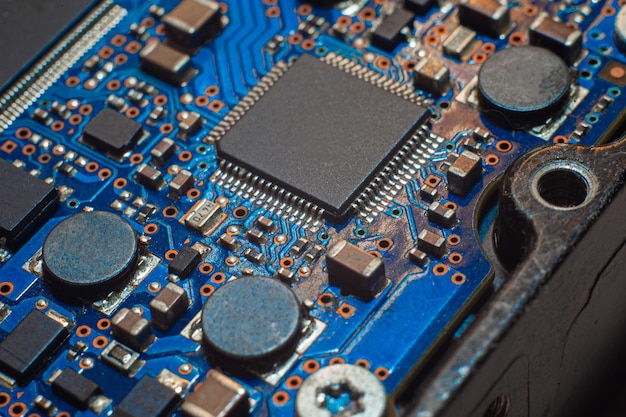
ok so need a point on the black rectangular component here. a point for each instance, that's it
(148, 398)
(193, 22)
(112, 132)
(166, 63)
(420, 7)
(184, 262)
(389, 33)
(485, 16)
(322, 134)
(563, 40)
(30, 345)
(75, 388)
(25, 203)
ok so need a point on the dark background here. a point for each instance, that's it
(28, 26)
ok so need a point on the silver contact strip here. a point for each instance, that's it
(63, 55)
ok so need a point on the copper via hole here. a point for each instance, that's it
(83, 331)
(336, 361)
(160, 29)
(57, 126)
(17, 409)
(4, 399)
(409, 65)
(212, 90)
(451, 205)
(63, 414)
(479, 58)
(132, 112)
(530, 10)
(516, 38)
(384, 244)
(120, 59)
(218, 277)
(72, 81)
(294, 39)
(9, 146)
(293, 382)
(193, 193)
(458, 278)
(488, 47)
(166, 128)
(92, 167)
(185, 156)
(381, 373)
(304, 9)
(41, 304)
(118, 40)
(170, 212)
(147, 22)
(280, 398)
(206, 268)
(454, 240)
(344, 21)
(201, 101)
(106, 52)
(374, 253)
(441, 29)
(367, 13)
(286, 262)
(133, 47)
(311, 366)
(325, 299)
(185, 369)
(231, 261)
(44, 158)
(492, 159)
(136, 158)
(85, 109)
(120, 183)
(100, 341)
(432, 39)
(308, 45)
(272, 12)
(346, 310)
(383, 63)
(304, 272)
(504, 146)
(455, 258)
(269, 2)
(151, 229)
(6, 288)
(104, 173)
(560, 139)
(171, 254)
(29, 149)
(23, 133)
(433, 180)
(207, 290)
(76, 119)
(608, 11)
(103, 324)
(240, 212)
(216, 105)
(357, 27)
(440, 269)
(160, 100)
(363, 363)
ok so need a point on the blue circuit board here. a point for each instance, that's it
(422, 304)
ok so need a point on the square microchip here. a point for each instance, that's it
(322, 134)
(25, 202)
(112, 132)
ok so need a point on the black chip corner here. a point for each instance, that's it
(148, 398)
(25, 202)
(389, 33)
(184, 262)
(30, 345)
(112, 132)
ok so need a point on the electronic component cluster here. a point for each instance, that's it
(269, 208)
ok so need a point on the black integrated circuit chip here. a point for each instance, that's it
(148, 398)
(112, 132)
(25, 202)
(30, 345)
(321, 134)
